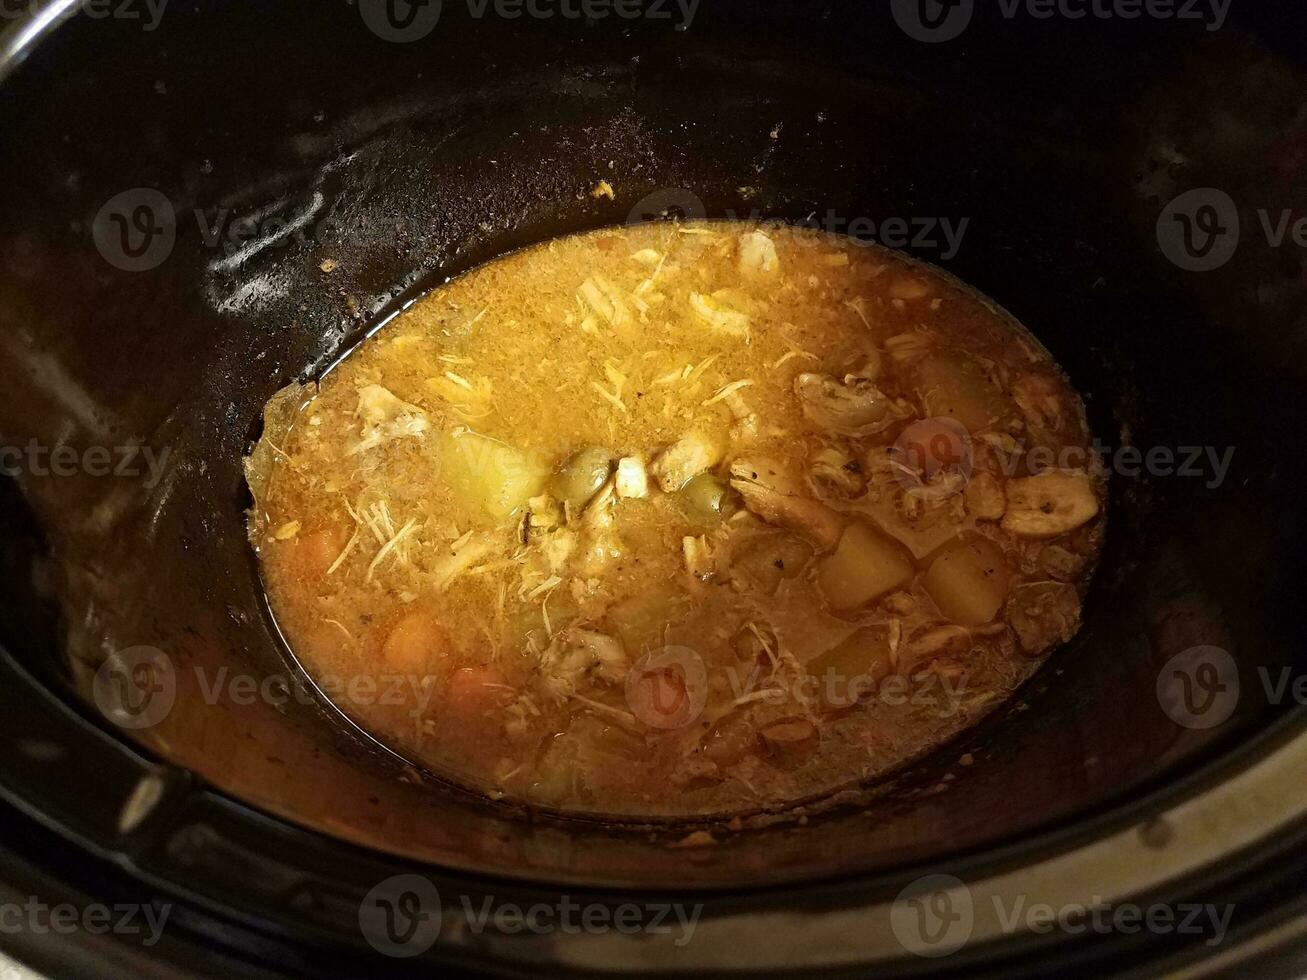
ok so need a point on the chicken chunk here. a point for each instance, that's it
(698, 557)
(543, 513)
(777, 497)
(684, 460)
(1039, 398)
(632, 480)
(747, 426)
(757, 254)
(577, 655)
(854, 407)
(463, 555)
(600, 543)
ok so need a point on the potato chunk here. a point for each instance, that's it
(864, 566)
(487, 476)
(640, 620)
(852, 668)
(969, 581)
(761, 565)
(958, 388)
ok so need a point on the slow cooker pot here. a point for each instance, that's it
(179, 179)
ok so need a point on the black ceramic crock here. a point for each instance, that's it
(172, 189)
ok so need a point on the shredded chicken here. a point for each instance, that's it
(714, 311)
(462, 555)
(600, 295)
(385, 417)
(557, 548)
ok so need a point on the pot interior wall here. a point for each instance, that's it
(1058, 144)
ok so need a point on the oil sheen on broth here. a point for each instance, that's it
(679, 519)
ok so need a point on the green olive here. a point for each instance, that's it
(582, 476)
(705, 500)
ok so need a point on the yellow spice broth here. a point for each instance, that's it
(487, 669)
